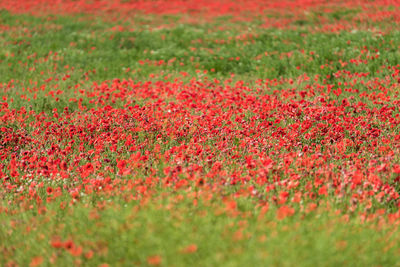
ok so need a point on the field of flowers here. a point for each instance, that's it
(203, 133)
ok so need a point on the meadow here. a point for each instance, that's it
(202, 133)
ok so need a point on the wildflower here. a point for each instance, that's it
(154, 260)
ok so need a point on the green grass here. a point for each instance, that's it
(116, 51)
(127, 233)
(55, 48)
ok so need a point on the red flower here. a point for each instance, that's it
(284, 211)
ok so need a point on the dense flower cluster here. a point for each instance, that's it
(345, 15)
(285, 146)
